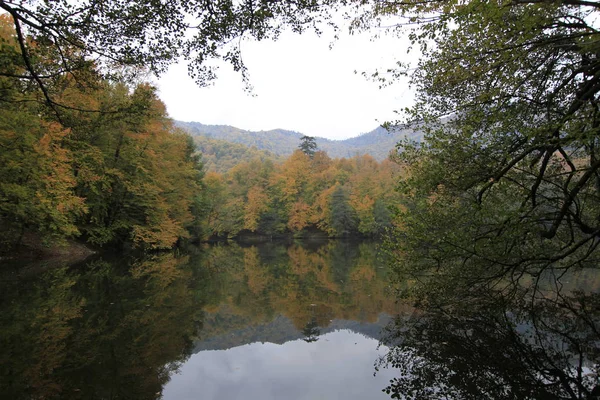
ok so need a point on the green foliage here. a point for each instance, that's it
(500, 203)
(123, 38)
(343, 219)
(277, 141)
(36, 185)
(382, 217)
(37, 188)
(145, 176)
(507, 185)
(308, 145)
(221, 155)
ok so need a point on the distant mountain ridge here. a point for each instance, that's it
(281, 142)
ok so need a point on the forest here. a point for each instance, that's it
(484, 220)
(509, 156)
(221, 155)
(89, 152)
(102, 162)
(307, 194)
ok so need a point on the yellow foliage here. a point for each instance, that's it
(258, 203)
(299, 216)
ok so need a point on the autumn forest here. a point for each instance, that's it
(477, 221)
(103, 163)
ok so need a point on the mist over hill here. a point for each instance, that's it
(280, 142)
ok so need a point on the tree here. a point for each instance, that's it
(257, 204)
(121, 174)
(382, 216)
(126, 38)
(299, 216)
(343, 217)
(137, 174)
(36, 189)
(308, 145)
(311, 331)
(508, 181)
(36, 185)
(502, 195)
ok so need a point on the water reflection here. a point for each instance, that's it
(539, 339)
(337, 366)
(121, 329)
(311, 331)
(294, 321)
(300, 321)
(275, 293)
(102, 330)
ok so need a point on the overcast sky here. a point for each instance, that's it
(299, 84)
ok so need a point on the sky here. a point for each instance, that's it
(300, 84)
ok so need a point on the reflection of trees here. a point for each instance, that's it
(99, 331)
(537, 343)
(340, 279)
(311, 331)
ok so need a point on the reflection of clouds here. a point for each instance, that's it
(341, 366)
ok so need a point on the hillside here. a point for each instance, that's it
(276, 141)
(222, 155)
(378, 143)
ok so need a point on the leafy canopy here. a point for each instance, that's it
(121, 174)
(128, 37)
(507, 182)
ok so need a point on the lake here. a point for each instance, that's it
(271, 321)
(301, 320)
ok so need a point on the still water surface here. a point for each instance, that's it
(294, 321)
(297, 321)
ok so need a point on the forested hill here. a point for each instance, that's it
(222, 155)
(377, 143)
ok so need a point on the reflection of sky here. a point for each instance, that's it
(339, 365)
